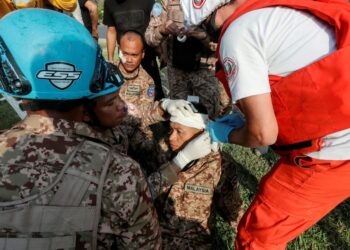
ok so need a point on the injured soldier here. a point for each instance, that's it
(185, 205)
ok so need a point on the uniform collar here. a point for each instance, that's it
(129, 76)
(39, 124)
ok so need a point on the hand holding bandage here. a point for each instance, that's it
(195, 149)
(177, 107)
(220, 129)
(200, 145)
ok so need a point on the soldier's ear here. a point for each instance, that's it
(143, 54)
(86, 116)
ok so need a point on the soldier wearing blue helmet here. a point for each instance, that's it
(62, 186)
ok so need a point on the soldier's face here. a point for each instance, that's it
(110, 110)
(180, 135)
(132, 53)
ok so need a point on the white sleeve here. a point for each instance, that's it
(243, 58)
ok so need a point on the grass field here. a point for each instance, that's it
(7, 116)
(331, 233)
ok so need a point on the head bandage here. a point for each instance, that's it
(197, 120)
(196, 11)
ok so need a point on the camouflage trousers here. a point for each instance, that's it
(201, 83)
(227, 199)
(171, 242)
(225, 101)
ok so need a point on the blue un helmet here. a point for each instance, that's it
(46, 55)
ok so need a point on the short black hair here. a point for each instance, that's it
(200, 107)
(132, 32)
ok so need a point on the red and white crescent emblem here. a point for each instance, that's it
(197, 4)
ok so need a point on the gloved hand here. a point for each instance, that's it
(220, 129)
(195, 149)
(235, 120)
(174, 107)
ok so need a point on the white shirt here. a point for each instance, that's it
(278, 41)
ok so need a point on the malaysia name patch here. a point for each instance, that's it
(197, 189)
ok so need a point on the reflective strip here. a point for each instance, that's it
(63, 242)
(51, 219)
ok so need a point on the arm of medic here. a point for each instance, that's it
(259, 129)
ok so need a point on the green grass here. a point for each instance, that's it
(8, 117)
(331, 233)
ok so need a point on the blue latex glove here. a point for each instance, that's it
(234, 120)
(220, 129)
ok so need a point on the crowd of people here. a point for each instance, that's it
(90, 166)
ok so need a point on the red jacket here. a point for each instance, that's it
(313, 101)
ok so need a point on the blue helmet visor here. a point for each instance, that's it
(12, 80)
(105, 73)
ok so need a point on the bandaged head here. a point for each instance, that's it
(196, 120)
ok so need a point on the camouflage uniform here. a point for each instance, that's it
(138, 89)
(138, 92)
(32, 156)
(182, 83)
(227, 199)
(130, 139)
(185, 202)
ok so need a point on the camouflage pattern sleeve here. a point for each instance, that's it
(128, 209)
(150, 113)
(161, 180)
(153, 36)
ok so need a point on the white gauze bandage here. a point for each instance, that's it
(121, 57)
(196, 120)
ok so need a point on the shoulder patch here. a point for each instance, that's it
(198, 3)
(230, 67)
(151, 91)
(157, 9)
